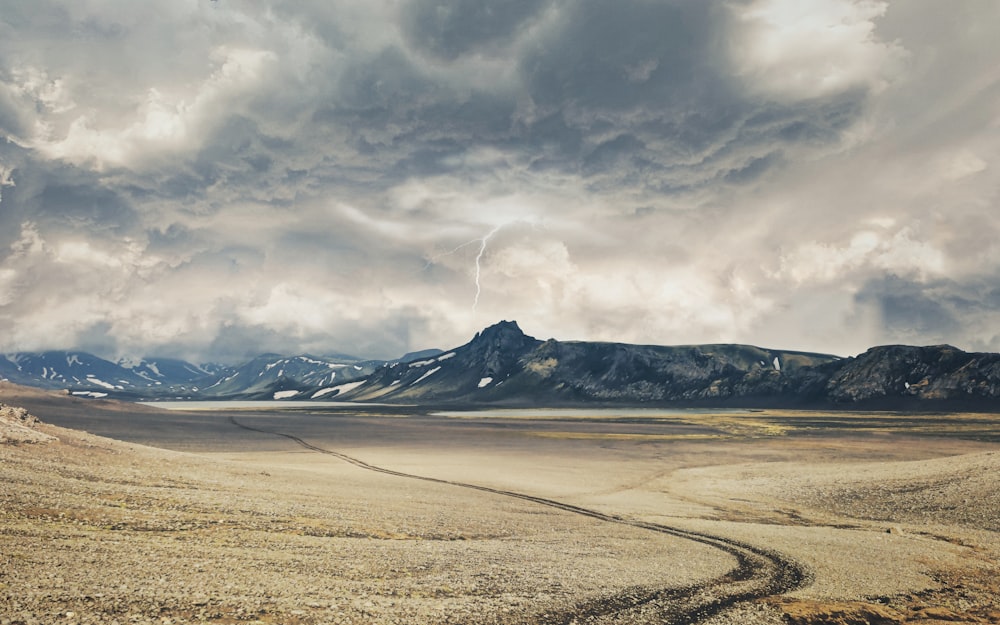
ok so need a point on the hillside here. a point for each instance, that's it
(502, 365)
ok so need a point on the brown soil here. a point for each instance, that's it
(234, 527)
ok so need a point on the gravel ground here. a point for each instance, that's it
(919, 536)
(94, 530)
(957, 491)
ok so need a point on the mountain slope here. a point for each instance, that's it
(934, 373)
(87, 375)
(502, 365)
(494, 353)
(272, 376)
(160, 371)
(70, 370)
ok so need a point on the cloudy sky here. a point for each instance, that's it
(213, 179)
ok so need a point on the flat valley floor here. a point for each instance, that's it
(405, 515)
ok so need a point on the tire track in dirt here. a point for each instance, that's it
(759, 572)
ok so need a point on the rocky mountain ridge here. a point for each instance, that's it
(263, 377)
(502, 365)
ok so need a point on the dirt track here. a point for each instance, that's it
(759, 573)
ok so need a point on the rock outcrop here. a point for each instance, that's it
(18, 426)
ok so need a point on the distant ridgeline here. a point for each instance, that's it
(503, 366)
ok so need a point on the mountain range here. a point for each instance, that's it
(503, 366)
(269, 376)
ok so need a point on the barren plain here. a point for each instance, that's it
(408, 515)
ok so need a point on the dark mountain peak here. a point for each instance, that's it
(504, 330)
(499, 347)
(504, 337)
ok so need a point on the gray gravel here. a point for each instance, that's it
(98, 531)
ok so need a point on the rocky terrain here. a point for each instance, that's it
(17, 426)
(394, 517)
(503, 365)
(96, 531)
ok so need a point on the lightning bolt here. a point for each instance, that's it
(483, 242)
(479, 257)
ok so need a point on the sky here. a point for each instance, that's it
(213, 179)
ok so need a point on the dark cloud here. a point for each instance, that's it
(98, 338)
(936, 311)
(384, 338)
(60, 199)
(602, 58)
(86, 207)
(911, 311)
(451, 29)
(378, 177)
(656, 76)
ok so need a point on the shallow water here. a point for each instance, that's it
(189, 406)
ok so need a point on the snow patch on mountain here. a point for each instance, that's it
(92, 380)
(339, 389)
(426, 375)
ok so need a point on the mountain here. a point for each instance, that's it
(270, 376)
(494, 353)
(159, 371)
(78, 371)
(938, 373)
(273, 376)
(502, 365)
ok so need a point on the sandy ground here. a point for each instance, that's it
(227, 525)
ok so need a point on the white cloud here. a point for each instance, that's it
(800, 50)
(298, 309)
(844, 264)
(160, 124)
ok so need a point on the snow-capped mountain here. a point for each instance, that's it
(76, 371)
(265, 377)
(502, 365)
(273, 376)
(160, 371)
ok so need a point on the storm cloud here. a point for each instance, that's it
(212, 179)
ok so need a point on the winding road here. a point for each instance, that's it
(759, 572)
